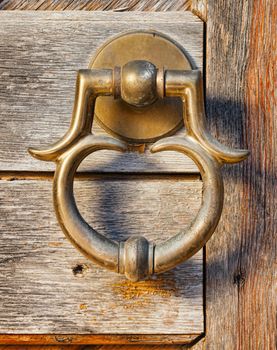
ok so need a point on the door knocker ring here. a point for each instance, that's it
(139, 83)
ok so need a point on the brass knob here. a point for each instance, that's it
(137, 258)
(138, 83)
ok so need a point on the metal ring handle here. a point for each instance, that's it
(185, 244)
(134, 256)
(137, 257)
(98, 248)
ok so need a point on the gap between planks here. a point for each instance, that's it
(48, 175)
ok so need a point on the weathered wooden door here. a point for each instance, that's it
(223, 297)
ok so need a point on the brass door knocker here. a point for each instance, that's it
(136, 71)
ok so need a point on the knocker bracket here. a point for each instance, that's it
(132, 86)
(149, 121)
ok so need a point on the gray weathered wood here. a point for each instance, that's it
(40, 53)
(47, 286)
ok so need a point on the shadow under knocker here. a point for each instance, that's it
(139, 83)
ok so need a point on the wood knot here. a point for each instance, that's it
(239, 279)
(79, 269)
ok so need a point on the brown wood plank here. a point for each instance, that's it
(103, 347)
(193, 346)
(198, 346)
(40, 53)
(45, 347)
(241, 256)
(84, 339)
(89, 5)
(190, 342)
(93, 347)
(48, 287)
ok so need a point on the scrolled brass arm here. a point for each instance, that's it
(188, 85)
(89, 85)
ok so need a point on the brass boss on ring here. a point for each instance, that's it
(139, 84)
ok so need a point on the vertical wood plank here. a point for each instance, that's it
(241, 256)
(258, 294)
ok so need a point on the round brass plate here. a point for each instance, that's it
(147, 124)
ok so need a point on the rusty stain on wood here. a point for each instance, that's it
(141, 294)
(161, 286)
(83, 306)
(55, 244)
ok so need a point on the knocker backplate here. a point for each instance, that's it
(150, 123)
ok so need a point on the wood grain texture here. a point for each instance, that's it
(40, 53)
(146, 165)
(199, 8)
(192, 346)
(132, 340)
(96, 5)
(242, 255)
(240, 61)
(198, 345)
(45, 347)
(48, 287)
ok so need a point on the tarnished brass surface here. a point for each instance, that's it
(137, 258)
(138, 83)
(154, 121)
